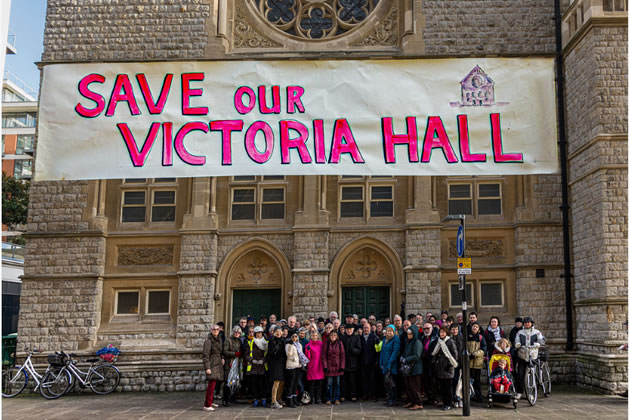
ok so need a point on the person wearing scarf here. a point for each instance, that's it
(445, 361)
(255, 355)
(277, 365)
(493, 334)
(429, 383)
(295, 360)
(231, 352)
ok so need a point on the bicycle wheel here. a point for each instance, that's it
(530, 386)
(55, 383)
(104, 379)
(544, 373)
(14, 381)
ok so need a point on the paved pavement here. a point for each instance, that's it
(565, 403)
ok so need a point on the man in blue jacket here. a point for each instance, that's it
(389, 358)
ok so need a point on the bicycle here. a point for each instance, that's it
(537, 374)
(102, 378)
(543, 378)
(15, 379)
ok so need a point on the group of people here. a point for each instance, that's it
(313, 361)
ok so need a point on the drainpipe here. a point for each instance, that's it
(563, 156)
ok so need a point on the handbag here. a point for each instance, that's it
(305, 398)
(406, 368)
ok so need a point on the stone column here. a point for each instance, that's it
(62, 285)
(596, 92)
(311, 258)
(423, 250)
(198, 269)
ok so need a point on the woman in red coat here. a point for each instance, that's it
(314, 353)
(333, 367)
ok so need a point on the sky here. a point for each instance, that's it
(27, 23)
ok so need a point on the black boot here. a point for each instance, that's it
(290, 402)
(297, 400)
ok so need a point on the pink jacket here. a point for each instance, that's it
(314, 353)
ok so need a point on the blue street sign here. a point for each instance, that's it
(460, 242)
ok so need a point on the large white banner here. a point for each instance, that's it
(484, 116)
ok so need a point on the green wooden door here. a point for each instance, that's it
(256, 303)
(366, 300)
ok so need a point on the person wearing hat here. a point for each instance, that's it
(514, 331)
(527, 337)
(255, 365)
(231, 352)
(320, 324)
(277, 364)
(389, 358)
(353, 346)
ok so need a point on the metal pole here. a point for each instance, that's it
(563, 159)
(465, 365)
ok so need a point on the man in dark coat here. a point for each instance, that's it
(353, 347)
(429, 340)
(368, 362)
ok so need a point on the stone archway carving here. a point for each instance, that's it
(255, 264)
(366, 261)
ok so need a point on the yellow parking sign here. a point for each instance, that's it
(464, 265)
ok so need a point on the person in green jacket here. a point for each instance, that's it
(412, 354)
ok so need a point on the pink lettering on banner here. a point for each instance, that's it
(238, 100)
(226, 127)
(436, 137)
(390, 139)
(187, 92)
(181, 149)
(138, 158)
(276, 106)
(123, 91)
(319, 141)
(250, 141)
(293, 98)
(464, 142)
(496, 140)
(167, 147)
(343, 142)
(154, 108)
(286, 143)
(93, 96)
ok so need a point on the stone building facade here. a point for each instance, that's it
(148, 264)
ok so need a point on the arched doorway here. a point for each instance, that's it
(255, 280)
(366, 277)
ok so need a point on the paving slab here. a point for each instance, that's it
(566, 402)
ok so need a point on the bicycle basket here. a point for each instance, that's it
(57, 359)
(544, 354)
(108, 353)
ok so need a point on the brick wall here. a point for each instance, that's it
(479, 27)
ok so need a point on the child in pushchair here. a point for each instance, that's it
(501, 378)
(501, 388)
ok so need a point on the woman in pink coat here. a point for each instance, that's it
(314, 351)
